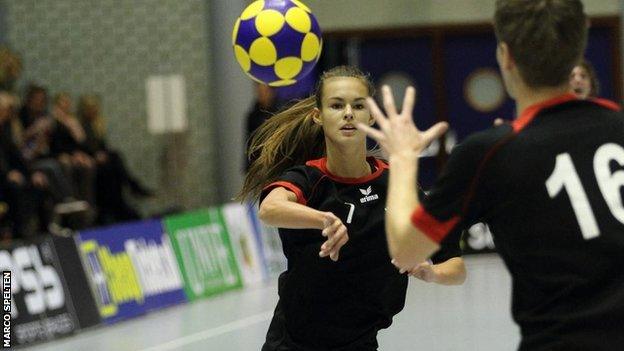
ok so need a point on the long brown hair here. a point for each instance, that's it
(291, 137)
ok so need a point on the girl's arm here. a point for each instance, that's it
(280, 209)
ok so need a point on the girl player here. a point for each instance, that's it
(316, 184)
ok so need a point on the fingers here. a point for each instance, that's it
(409, 100)
(331, 225)
(376, 134)
(377, 114)
(434, 132)
(336, 251)
(337, 236)
(388, 101)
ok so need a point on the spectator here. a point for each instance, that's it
(68, 146)
(112, 174)
(26, 193)
(584, 81)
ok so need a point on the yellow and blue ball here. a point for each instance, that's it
(277, 42)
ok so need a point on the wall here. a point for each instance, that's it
(110, 47)
(351, 14)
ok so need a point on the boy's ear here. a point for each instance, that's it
(506, 59)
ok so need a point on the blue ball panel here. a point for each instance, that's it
(247, 33)
(288, 42)
(306, 69)
(316, 29)
(264, 73)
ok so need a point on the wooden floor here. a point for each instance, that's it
(471, 317)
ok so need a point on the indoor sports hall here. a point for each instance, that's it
(150, 200)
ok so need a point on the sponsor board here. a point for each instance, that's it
(131, 269)
(204, 252)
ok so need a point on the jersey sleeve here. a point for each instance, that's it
(450, 246)
(454, 203)
(295, 179)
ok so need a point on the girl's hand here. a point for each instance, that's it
(336, 234)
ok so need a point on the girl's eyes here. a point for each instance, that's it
(340, 106)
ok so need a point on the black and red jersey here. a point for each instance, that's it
(550, 187)
(332, 305)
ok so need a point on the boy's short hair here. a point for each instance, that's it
(546, 38)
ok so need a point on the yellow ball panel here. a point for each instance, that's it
(269, 22)
(298, 19)
(288, 67)
(263, 52)
(235, 31)
(253, 9)
(242, 57)
(282, 83)
(302, 5)
(310, 47)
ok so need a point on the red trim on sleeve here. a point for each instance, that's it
(433, 228)
(606, 103)
(290, 186)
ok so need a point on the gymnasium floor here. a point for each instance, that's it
(472, 317)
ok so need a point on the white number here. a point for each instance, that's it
(566, 176)
(351, 210)
(609, 183)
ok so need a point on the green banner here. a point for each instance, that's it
(202, 247)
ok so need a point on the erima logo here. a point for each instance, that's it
(367, 195)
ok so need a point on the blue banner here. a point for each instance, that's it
(131, 269)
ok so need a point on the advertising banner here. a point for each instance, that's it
(205, 255)
(244, 241)
(478, 239)
(269, 244)
(37, 299)
(131, 269)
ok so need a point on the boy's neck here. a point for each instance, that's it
(526, 97)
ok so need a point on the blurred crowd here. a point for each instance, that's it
(57, 171)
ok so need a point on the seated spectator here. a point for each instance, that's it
(32, 134)
(68, 146)
(112, 174)
(25, 192)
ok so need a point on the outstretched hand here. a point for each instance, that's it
(397, 133)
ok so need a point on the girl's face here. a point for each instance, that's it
(64, 103)
(580, 82)
(343, 105)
